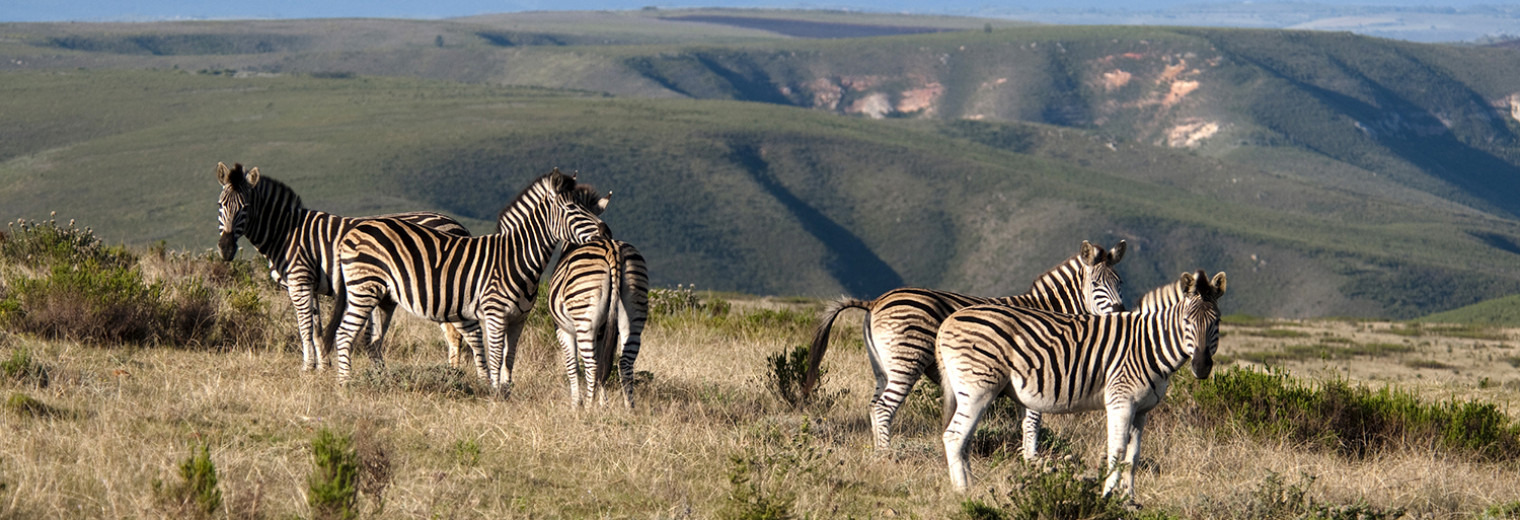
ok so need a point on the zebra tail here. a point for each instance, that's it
(340, 306)
(821, 338)
(606, 355)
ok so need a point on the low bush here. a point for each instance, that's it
(34, 243)
(1065, 489)
(333, 487)
(21, 368)
(196, 494)
(787, 369)
(1353, 421)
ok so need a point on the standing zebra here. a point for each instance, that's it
(300, 245)
(1063, 363)
(490, 279)
(599, 297)
(901, 324)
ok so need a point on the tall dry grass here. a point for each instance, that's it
(124, 416)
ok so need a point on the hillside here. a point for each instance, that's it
(1329, 174)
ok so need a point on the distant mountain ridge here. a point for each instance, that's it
(1330, 174)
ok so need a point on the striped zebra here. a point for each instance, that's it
(489, 280)
(901, 324)
(1063, 363)
(599, 296)
(299, 244)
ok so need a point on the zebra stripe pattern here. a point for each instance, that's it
(488, 280)
(599, 297)
(900, 326)
(1063, 363)
(300, 245)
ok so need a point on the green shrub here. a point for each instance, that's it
(91, 302)
(763, 477)
(45, 243)
(683, 300)
(20, 367)
(465, 452)
(27, 406)
(786, 373)
(197, 492)
(333, 488)
(1277, 498)
(1064, 490)
(1506, 510)
(1353, 421)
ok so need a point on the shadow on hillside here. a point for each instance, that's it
(851, 261)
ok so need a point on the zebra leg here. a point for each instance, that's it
(572, 364)
(380, 322)
(469, 332)
(452, 336)
(880, 431)
(1132, 454)
(1031, 433)
(970, 402)
(1120, 417)
(355, 319)
(899, 381)
(495, 340)
(630, 332)
(513, 332)
(303, 299)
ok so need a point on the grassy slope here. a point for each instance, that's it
(1499, 311)
(727, 195)
(1321, 230)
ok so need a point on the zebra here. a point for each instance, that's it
(490, 280)
(1062, 363)
(599, 296)
(900, 325)
(299, 244)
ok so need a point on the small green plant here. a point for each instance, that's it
(27, 406)
(1506, 511)
(20, 367)
(786, 373)
(333, 488)
(465, 452)
(196, 493)
(760, 476)
(1063, 490)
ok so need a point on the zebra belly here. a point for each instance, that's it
(1046, 401)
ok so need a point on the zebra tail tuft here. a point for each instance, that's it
(821, 337)
(606, 355)
(340, 305)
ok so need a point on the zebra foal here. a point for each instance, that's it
(900, 325)
(489, 280)
(599, 297)
(1061, 363)
(300, 245)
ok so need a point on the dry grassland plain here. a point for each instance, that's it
(121, 418)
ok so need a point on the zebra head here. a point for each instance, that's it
(1102, 289)
(1199, 313)
(573, 209)
(235, 206)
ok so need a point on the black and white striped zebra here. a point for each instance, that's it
(599, 297)
(1061, 363)
(488, 282)
(900, 325)
(300, 245)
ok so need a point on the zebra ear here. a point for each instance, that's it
(1219, 284)
(601, 204)
(1189, 283)
(223, 174)
(1090, 254)
(1117, 253)
(253, 176)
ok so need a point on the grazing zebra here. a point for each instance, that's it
(599, 297)
(901, 324)
(300, 244)
(489, 280)
(1062, 363)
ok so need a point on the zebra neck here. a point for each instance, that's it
(1155, 339)
(276, 231)
(529, 250)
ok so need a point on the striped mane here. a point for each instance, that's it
(1161, 297)
(553, 182)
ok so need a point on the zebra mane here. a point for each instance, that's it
(274, 189)
(1161, 297)
(553, 182)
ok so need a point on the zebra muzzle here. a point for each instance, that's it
(228, 246)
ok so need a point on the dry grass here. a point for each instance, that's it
(129, 415)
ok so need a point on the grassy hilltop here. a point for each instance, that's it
(1329, 174)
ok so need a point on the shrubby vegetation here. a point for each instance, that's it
(60, 282)
(1351, 420)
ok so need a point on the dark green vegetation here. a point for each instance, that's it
(334, 480)
(1331, 174)
(1351, 420)
(195, 494)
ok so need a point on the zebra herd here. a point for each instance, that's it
(479, 289)
(1068, 345)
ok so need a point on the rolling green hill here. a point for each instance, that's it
(1328, 174)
